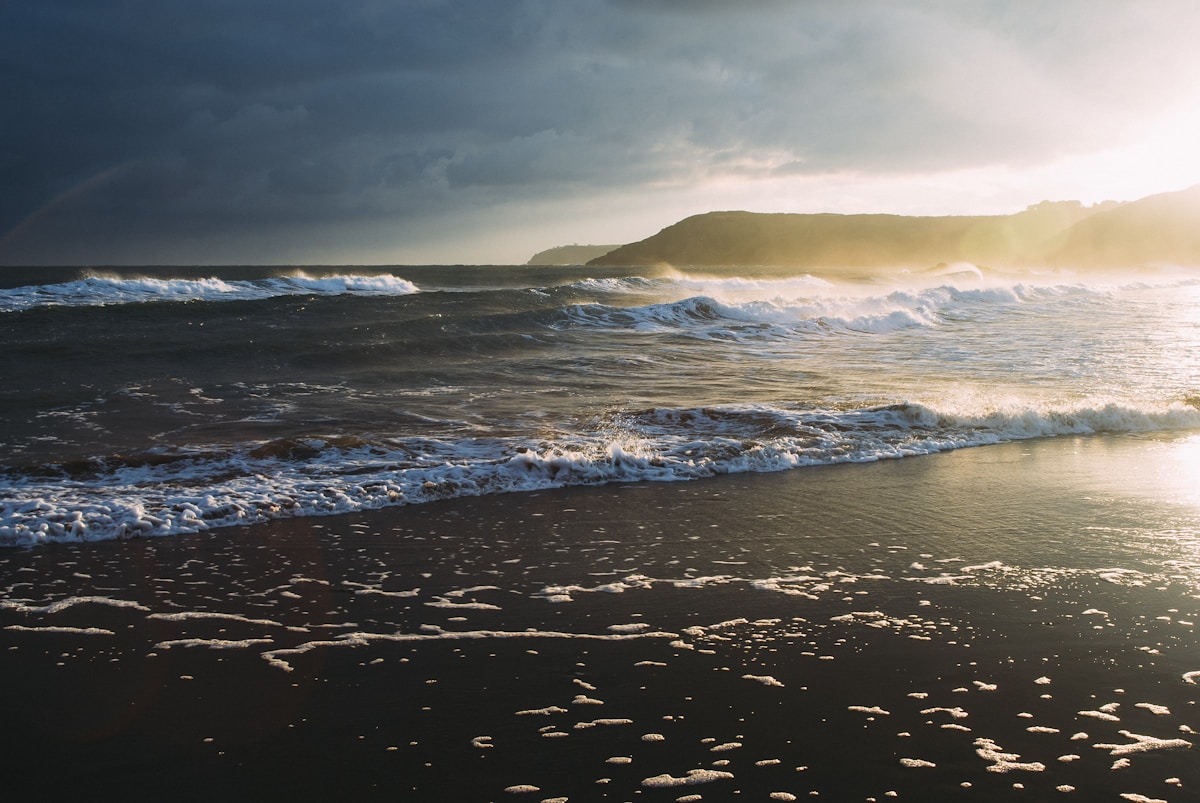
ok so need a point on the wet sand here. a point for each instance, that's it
(998, 623)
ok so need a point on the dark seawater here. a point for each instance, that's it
(160, 401)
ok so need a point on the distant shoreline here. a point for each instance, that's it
(1158, 230)
(570, 254)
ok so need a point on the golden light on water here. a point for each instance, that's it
(1187, 467)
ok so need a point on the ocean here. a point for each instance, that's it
(596, 534)
(166, 401)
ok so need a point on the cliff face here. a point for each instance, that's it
(1162, 228)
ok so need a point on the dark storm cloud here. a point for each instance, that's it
(143, 119)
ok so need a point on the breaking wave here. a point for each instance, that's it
(754, 309)
(169, 492)
(102, 290)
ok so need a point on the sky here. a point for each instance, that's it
(140, 132)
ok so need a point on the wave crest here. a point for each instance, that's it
(104, 290)
(162, 494)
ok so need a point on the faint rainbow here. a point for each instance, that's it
(61, 200)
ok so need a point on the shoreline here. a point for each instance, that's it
(817, 630)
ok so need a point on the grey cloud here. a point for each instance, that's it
(150, 118)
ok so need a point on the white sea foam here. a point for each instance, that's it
(739, 307)
(956, 712)
(1142, 744)
(278, 657)
(77, 631)
(916, 763)
(692, 778)
(766, 680)
(1102, 715)
(101, 290)
(442, 602)
(70, 602)
(522, 788)
(624, 285)
(708, 318)
(608, 721)
(633, 627)
(873, 709)
(180, 616)
(212, 643)
(1153, 708)
(544, 712)
(583, 699)
(1001, 761)
(242, 486)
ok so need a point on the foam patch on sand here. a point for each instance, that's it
(183, 616)
(766, 680)
(1001, 761)
(213, 643)
(692, 778)
(75, 631)
(70, 602)
(916, 763)
(1142, 744)
(277, 658)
